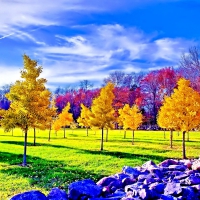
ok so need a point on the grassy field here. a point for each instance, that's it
(64, 160)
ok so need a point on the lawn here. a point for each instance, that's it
(64, 160)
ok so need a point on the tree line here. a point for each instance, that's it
(164, 97)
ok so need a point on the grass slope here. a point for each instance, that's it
(64, 160)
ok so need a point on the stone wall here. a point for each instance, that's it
(169, 180)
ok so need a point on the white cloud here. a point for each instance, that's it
(9, 74)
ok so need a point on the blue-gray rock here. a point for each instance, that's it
(177, 167)
(116, 183)
(30, 195)
(167, 197)
(133, 189)
(158, 187)
(189, 193)
(168, 162)
(106, 181)
(149, 165)
(173, 188)
(157, 173)
(84, 188)
(133, 172)
(57, 194)
(107, 198)
(121, 176)
(149, 181)
(128, 181)
(145, 194)
(143, 177)
(192, 180)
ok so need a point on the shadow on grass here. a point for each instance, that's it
(44, 173)
(125, 155)
(117, 154)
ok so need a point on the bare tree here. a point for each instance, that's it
(86, 85)
(190, 63)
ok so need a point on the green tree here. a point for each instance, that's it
(181, 111)
(29, 99)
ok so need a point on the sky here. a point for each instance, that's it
(75, 40)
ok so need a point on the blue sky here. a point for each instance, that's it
(75, 40)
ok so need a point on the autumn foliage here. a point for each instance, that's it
(181, 110)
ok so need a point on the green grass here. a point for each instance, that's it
(64, 160)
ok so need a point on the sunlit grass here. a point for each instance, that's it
(64, 160)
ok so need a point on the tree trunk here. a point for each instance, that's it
(25, 147)
(164, 134)
(49, 134)
(171, 138)
(12, 131)
(107, 135)
(64, 131)
(34, 140)
(87, 131)
(178, 133)
(124, 134)
(184, 154)
(102, 139)
(133, 138)
(188, 136)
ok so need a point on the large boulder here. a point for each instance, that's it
(30, 195)
(87, 188)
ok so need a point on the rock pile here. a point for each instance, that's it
(170, 180)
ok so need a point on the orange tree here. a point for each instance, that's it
(64, 119)
(29, 101)
(181, 111)
(102, 112)
(131, 118)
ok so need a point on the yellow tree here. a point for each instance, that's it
(181, 111)
(29, 99)
(64, 119)
(131, 118)
(49, 117)
(102, 112)
(120, 119)
(84, 117)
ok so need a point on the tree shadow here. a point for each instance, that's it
(44, 173)
(132, 156)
